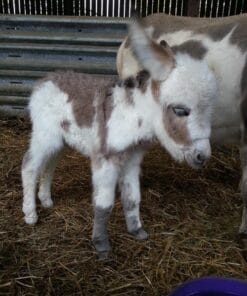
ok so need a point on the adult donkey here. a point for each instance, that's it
(222, 44)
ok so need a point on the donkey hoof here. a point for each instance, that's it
(31, 220)
(140, 234)
(243, 230)
(47, 203)
(103, 256)
(242, 235)
(102, 247)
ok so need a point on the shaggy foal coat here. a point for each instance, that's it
(111, 122)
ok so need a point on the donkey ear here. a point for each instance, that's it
(156, 58)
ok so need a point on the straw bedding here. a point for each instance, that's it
(192, 218)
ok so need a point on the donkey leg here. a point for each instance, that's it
(105, 175)
(47, 173)
(30, 171)
(131, 196)
(34, 160)
(243, 226)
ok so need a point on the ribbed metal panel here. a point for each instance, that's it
(31, 46)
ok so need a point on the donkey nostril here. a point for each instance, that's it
(200, 158)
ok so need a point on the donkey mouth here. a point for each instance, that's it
(195, 161)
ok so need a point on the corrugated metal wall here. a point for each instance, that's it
(121, 8)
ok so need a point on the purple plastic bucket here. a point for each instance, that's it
(212, 286)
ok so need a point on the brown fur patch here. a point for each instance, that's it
(65, 124)
(104, 109)
(176, 127)
(141, 82)
(164, 55)
(142, 78)
(81, 89)
(192, 47)
(155, 88)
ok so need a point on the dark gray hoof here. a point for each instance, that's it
(140, 234)
(103, 256)
(242, 235)
(242, 241)
(102, 247)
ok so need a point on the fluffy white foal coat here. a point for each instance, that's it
(112, 122)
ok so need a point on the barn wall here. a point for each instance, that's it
(121, 8)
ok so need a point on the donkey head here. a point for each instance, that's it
(185, 89)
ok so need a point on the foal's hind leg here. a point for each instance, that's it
(46, 180)
(31, 169)
(243, 226)
(35, 159)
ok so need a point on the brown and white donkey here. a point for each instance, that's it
(110, 121)
(221, 43)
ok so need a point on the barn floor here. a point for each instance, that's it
(192, 218)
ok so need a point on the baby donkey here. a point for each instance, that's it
(111, 121)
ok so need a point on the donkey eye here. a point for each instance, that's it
(181, 111)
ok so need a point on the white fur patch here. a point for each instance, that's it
(123, 125)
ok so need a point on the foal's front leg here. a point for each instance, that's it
(131, 196)
(104, 175)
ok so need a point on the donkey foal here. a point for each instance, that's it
(110, 121)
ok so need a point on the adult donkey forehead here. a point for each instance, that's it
(221, 43)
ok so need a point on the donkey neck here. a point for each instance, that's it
(131, 121)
